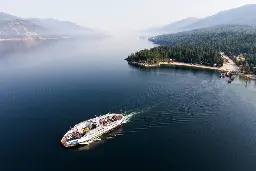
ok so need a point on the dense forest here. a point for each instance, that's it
(204, 55)
(233, 40)
(248, 65)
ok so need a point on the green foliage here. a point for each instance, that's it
(204, 55)
(233, 40)
(250, 63)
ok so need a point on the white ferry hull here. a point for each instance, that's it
(94, 134)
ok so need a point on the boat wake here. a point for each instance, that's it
(164, 104)
(128, 117)
(161, 105)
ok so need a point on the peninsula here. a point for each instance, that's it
(187, 56)
(222, 47)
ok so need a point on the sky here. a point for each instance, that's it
(118, 15)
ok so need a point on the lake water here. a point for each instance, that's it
(182, 119)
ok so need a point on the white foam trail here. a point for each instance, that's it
(129, 116)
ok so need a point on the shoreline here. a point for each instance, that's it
(160, 64)
(188, 65)
(27, 39)
(225, 68)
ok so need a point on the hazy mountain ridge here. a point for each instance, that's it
(172, 27)
(20, 29)
(210, 33)
(15, 27)
(6, 17)
(61, 27)
(244, 15)
(225, 28)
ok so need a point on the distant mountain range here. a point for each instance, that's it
(7, 17)
(213, 32)
(61, 27)
(244, 15)
(172, 27)
(12, 27)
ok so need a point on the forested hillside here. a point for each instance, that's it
(231, 39)
(204, 55)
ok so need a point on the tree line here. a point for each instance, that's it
(233, 40)
(204, 55)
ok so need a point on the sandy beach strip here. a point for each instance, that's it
(187, 65)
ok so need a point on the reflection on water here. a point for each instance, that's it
(102, 140)
(90, 146)
(17, 54)
(174, 70)
(247, 82)
(15, 47)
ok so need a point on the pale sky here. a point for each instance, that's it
(118, 15)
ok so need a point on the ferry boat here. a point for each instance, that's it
(90, 130)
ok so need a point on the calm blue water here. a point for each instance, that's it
(183, 119)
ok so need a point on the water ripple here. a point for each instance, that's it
(166, 104)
